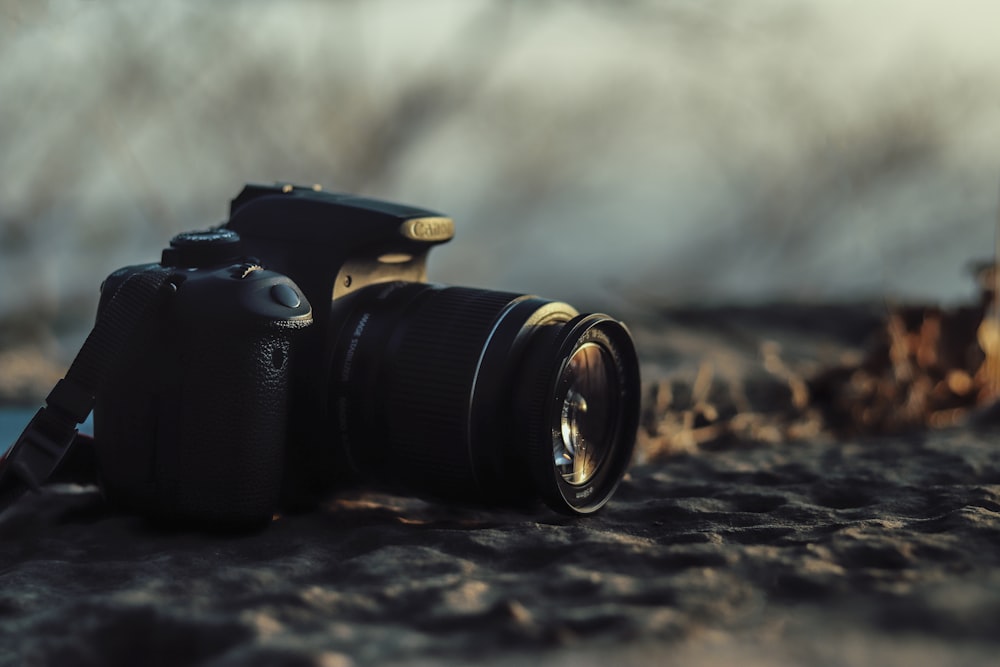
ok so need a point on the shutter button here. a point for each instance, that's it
(286, 296)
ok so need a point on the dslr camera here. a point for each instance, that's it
(298, 349)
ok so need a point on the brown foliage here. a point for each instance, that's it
(925, 367)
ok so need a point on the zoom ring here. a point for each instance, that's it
(433, 362)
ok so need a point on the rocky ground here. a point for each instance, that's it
(760, 526)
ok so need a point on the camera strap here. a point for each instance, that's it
(52, 432)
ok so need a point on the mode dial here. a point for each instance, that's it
(201, 249)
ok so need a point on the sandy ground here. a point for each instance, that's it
(862, 551)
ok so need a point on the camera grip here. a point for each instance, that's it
(191, 426)
(227, 464)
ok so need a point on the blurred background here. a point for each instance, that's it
(620, 155)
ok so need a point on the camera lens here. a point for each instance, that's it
(482, 396)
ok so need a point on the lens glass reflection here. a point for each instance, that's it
(586, 416)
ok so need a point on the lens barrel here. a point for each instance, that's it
(475, 395)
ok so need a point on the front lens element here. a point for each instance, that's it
(580, 397)
(585, 422)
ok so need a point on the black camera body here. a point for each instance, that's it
(298, 348)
